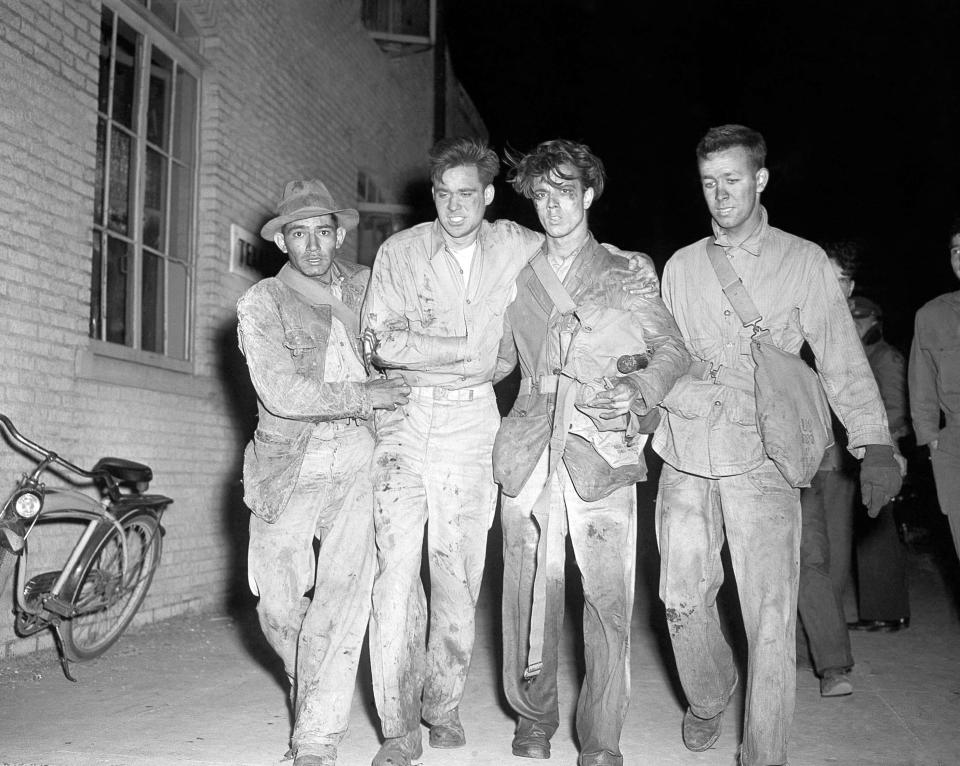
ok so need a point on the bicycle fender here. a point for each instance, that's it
(56, 499)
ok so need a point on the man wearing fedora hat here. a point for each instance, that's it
(306, 471)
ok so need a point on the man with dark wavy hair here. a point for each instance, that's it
(717, 482)
(570, 453)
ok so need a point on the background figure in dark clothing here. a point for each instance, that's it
(935, 389)
(882, 598)
(821, 626)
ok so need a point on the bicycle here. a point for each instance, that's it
(92, 598)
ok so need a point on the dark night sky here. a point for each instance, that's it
(859, 103)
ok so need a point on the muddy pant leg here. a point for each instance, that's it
(690, 535)
(398, 620)
(820, 611)
(761, 513)
(333, 629)
(604, 537)
(280, 559)
(534, 700)
(461, 499)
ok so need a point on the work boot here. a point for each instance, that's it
(530, 741)
(835, 683)
(448, 733)
(701, 734)
(318, 755)
(399, 751)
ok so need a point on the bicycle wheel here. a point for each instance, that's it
(108, 596)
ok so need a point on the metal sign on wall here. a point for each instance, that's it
(252, 257)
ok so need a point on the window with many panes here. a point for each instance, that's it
(378, 219)
(143, 227)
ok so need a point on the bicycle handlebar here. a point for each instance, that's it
(53, 457)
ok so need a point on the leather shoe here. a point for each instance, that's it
(701, 734)
(885, 626)
(399, 751)
(448, 732)
(836, 685)
(321, 756)
(530, 741)
(602, 758)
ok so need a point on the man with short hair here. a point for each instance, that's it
(717, 482)
(569, 455)
(306, 472)
(934, 383)
(434, 317)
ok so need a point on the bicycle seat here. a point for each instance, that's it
(125, 471)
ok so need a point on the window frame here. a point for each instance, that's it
(391, 39)
(103, 358)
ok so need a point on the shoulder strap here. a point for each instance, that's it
(733, 286)
(552, 284)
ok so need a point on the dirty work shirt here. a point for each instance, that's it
(718, 484)
(433, 459)
(934, 384)
(602, 532)
(309, 381)
(434, 328)
(711, 430)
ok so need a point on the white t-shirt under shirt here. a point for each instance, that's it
(464, 258)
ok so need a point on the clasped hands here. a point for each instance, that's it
(384, 393)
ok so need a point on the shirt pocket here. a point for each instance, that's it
(303, 349)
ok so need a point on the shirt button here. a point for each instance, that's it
(726, 312)
(717, 403)
(468, 301)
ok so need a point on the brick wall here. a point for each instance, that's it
(292, 89)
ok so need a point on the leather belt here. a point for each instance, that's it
(723, 376)
(545, 384)
(340, 424)
(465, 394)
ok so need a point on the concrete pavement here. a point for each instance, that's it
(203, 690)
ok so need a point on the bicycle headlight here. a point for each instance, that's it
(28, 504)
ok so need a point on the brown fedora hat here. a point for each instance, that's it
(306, 199)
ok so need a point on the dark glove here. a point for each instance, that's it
(880, 478)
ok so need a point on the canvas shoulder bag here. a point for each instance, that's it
(793, 416)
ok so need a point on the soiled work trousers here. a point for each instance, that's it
(604, 538)
(319, 639)
(432, 467)
(761, 515)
